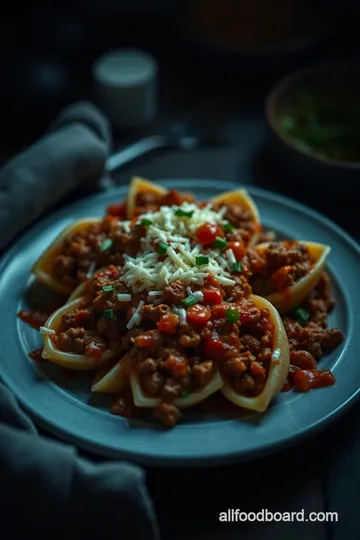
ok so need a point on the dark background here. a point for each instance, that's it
(46, 55)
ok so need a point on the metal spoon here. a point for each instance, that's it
(178, 137)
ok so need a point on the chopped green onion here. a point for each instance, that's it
(232, 315)
(301, 315)
(185, 393)
(107, 243)
(228, 227)
(107, 288)
(201, 259)
(108, 314)
(237, 267)
(220, 243)
(183, 213)
(189, 301)
(145, 222)
(162, 248)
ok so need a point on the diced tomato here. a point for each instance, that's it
(210, 281)
(118, 210)
(287, 386)
(96, 351)
(80, 317)
(308, 379)
(302, 360)
(168, 323)
(213, 349)
(280, 278)
(35, 319)
(212, 296)
(176, 367)
(238, 250)
(198, 314)
(218, 311)
(257, 369)
(110, 272)
(146, 340)
(206, 233)
(173, 198)
(248, 315)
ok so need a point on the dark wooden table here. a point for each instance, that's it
(188, 502)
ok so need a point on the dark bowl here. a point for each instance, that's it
(259, 57)
(338, 79)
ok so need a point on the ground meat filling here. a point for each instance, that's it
(279, 267)
(173, 360)
(174, 347)
(243, 222)
(151, 202)
(309, 336)
(99, 323)
(100, 244)
(174, 365)
(244, 348)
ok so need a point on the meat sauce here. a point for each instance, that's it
(36, 355)
(279, 267)
(310, 340)
(151, 202)
(99, 245)
(224, 331)
(171, 360)
(105, 243)
(37, 317)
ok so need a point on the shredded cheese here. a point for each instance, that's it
(136, 318)
(150, 270)
(231, 256)
(181, 312)
(124, 297)
(198, 295)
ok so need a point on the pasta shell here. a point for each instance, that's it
(42, 268)
(278, 369)
(243, 199)
(115, 380)
(142, 400)
(77, 362)
(286, 301)
(140, 185)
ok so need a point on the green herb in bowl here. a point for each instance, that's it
(326, 125)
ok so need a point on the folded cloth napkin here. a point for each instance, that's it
(71, 155)
(45, 487)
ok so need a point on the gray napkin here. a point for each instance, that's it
(71, 155)
(45, 487)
